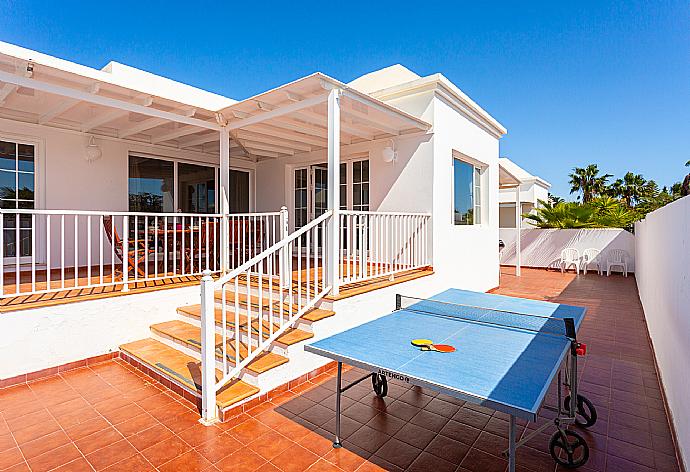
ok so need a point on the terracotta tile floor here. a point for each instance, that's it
(110, 417)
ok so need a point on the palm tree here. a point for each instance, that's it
(630, 189)
(561, 215)
(554, 199)
(588, 181)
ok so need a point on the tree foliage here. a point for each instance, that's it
(588, 181)
(601, 212)
(602, 204)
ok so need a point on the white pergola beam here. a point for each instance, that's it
(358, 118)
(382, 108)
(252, 145)
(282, 111)
(107, 117)
(179, 132)
(264, 153)
(316, 118)
(206, 138)
(103, 101)
(6, 90)
(272, 129)
(102, 119)
(305, 128)
(272, 139)
(57, 110)
(148, 123)
(151, 123)
(64, 106)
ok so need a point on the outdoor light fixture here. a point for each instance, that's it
(389, 153)
(93, 150)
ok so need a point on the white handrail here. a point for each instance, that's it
(258, 302)
(280, 244)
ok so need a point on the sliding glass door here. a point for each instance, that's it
(196, 188)
(165, 186)
(151, 185)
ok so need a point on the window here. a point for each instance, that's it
(466, 193)
(196, 188)
(301, 189)
(17, 177)
(360, 185)
(343, 186)
(151, 185)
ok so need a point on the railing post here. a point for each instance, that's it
(125, 251)
(283, 255)
(209, 413)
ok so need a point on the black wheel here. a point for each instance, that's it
(380, 385)
(574, 455)
(585, 413)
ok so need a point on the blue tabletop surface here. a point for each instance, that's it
(501, 367)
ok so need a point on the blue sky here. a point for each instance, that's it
(574, 82)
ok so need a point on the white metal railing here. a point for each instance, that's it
(378, 244)
(257, 302)
(45, 251)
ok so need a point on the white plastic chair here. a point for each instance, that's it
(570, 257)
(617, 258)
(590, 256)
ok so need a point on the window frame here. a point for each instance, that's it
(177, 161)
(478, 205)
(37, 188)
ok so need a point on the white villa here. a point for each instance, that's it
(120, 189)
(532, 189)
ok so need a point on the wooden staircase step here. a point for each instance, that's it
(253, 300)
(289, 337)
(194, 311)
(185, 370)
(317, 314)
(190, 335)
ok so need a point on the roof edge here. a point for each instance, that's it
(457, 98)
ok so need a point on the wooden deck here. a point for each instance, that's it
(70, 294)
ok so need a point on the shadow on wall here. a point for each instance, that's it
(542, 247)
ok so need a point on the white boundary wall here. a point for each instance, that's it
(542, 247)
(662, 247)
(40, 338)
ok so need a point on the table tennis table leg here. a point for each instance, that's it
(338, 392)
(511, 444)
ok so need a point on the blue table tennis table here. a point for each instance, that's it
(508, 352)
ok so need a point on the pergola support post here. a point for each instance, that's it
(333, 231)
(223, 198)
(518, 229)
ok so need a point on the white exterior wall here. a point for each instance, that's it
(542, 247)
(51, 336)
(529, 192)
(662, 249)
(466, 255)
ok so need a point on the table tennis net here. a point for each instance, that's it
(487, 316)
